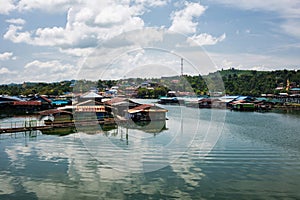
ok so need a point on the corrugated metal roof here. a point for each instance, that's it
(91, 95)
(295, 89)
(27, 103)
(148, 107)
(9, 98)
(54, 111)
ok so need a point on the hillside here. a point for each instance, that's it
(236, 82)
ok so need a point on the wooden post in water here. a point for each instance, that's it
(127, 136)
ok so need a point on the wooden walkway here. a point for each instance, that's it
(35, 128)
(55, 125)
(64, 125)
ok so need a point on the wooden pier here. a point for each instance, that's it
(73, 124)
(35, 128)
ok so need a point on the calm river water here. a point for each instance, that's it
(197, 154)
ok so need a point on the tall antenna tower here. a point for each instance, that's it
(181, 66)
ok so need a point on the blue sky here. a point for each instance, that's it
(63, 39)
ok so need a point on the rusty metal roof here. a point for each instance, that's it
(53, 112)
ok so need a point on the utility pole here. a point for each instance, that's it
(181, 66)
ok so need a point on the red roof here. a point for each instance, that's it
(115, 100)
(46, 99)
(54, 111)
(144, 107)
(27, 103)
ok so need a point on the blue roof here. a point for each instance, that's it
(229, 97)
(262, 99)
(10, 98)
(243, 97)
(295, 89)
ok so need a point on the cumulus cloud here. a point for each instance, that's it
(13, 33)
(182, 20)
(204, 39)
(115, 14)
(49, 66)
(78, 52)
(49, 71)
(16, 21)
(153, 3)
(6, 56)
(87, 24)
(6, 6)
(51, 5)
(6, 71)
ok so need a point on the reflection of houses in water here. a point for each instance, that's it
(147, 126)
(126, 130)
(59, 131)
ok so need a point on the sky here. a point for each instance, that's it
(57, 40)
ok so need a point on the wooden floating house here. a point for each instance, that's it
(119, 109)
(147, 112)
(92, 110)
(22, 106)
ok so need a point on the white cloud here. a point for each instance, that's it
(159, 57)
(49, 66)
(6, 6)
(115, 14)
(53, 6)
(153, 3)
(291, 27)
(6, 56)
(182, 20)
(204, 39)
(16, 21)
(78, 52)
(50, 5)
(87, 24)
(4, 70)
(15, 36)
(47, 71)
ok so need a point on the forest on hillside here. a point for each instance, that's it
(230, 81)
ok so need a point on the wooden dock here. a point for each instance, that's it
(55, 126)
(35, 128)
(70, 124)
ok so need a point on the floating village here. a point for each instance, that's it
(116, 107)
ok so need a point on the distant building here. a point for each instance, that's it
(295, 91)
(130, 91)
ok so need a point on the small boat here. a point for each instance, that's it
(170, 101)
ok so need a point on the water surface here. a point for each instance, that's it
(198, 154)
